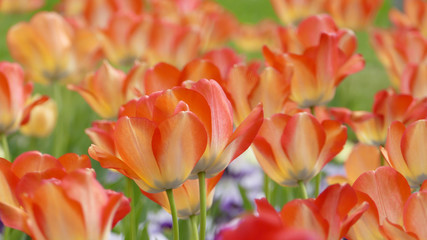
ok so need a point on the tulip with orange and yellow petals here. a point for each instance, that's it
(354, 14)
(281, 146)
(405, 150)
(413, 16)
(371, 128)
(318, 70)
(251, 38)
(58, 198)
(97, 13)
(42, 120)
(15, 107)
(158, 142)
(289, 11)
(187, 197)
(398, 49)
(413, 80)
(105, 90)
(51, 49)
(20, 6)
(394, 212)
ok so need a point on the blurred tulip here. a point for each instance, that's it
(42, 120)
(398, 49)
(105, 90)
(15, 104)
(187, 197)
(289, 11)
(413, 80)
(405, 150)
(126, 38)
(413, 16)
(362, 158)
(97, 13)
(20, 6)
(251, 38)
(354, 14)
(155, 158)
(267, 224)
(279, 144)
(371, 128)
(308, 34)
(51, 49)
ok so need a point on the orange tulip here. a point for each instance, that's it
(51, 49)
(42, 120)
(97, 13)
(362, 158)
(251, 38)
(371, 128)
(156, 158)
(413, 81)
(290, 11)
(354, 14)
(404, 150)
(413, 16)
(126, 38)
(105, 90)
(398, 49)
(281, 146)
(187, 197)
(33, 166)
(15, 107)
(19, 6)
(394, 212)
(321, 67)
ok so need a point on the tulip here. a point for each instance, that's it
(97, 13)
(281, 146)
(398, 49)
(290, 11)
(42, 120)
(371, 128)
(251, 38)
(155, 158)
(318, 71)
(394, 212)
(413, 81)
(104, 90)
(404, 150)
(52, 49)
(126, 38)
(187, 197)
(15, 98)
(413, 16)
(354, 14)
(20, 6)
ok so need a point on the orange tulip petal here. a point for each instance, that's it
(72, 161)
(362, 158)
(33, 162)
(415, 214)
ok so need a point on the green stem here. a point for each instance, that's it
(267, 187)
(58, 143)
(302, 189)
(202, 190)
(132, 217)
(317, 179)
(195, 234)
(174, 213)
(6, 233)
(5, 147)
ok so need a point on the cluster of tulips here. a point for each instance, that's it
(176, 107)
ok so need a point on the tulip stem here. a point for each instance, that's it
(132, 216)
(267, 187)
(302, 189)
(193, 221)
(202, 190)
(5, 147)
(174, 213)
(317, 179)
